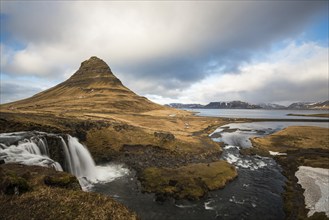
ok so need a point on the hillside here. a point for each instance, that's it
(92, 88)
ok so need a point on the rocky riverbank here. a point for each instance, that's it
(299, 146)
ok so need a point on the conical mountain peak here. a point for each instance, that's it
(93, 70)
(92, 88)
(94, 64)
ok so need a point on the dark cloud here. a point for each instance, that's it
(288, 91)
(34, 21)
(254, 28)
(10, 91)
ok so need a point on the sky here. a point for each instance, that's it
(171, 51)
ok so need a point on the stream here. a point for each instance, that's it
(255, 194)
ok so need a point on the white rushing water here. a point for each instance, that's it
(78, 160)
(28, 152)
(315, 181)
(274, 153)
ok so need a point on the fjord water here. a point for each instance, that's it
(259, 113)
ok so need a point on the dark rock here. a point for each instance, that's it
(56, 151)
(161, 197)
(11, 184)
(121, 127)
(164, 136)
(173, 182)
(216, 135)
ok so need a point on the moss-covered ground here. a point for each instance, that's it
(187, 182)
(30, 192)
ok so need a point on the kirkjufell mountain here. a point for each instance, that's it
(92, 88)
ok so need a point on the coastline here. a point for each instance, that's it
(311, 115)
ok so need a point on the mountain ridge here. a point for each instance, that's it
(309, 105)
(323, 105)
(231, 105)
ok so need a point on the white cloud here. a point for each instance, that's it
(291, 72)
(137, 32)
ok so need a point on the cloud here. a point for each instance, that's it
(12, 91)
(295, 73)
(157, 48)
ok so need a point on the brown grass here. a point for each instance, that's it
(192, 181)
(294, 137)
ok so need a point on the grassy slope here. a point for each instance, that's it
(42, 193)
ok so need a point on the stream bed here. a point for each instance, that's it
(255, 194)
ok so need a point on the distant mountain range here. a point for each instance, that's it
(309, 105)
(245, 105)
(231, 105)
(180, 105)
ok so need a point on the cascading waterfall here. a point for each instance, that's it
(78, 159)
(43, 146)
(32, 149)
(69, 166)
(29, 152)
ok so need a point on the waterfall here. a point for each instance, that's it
(43, 146)
(28, 152)
(78, 159)
(69, 166)
(35, 151)
(32, 149)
